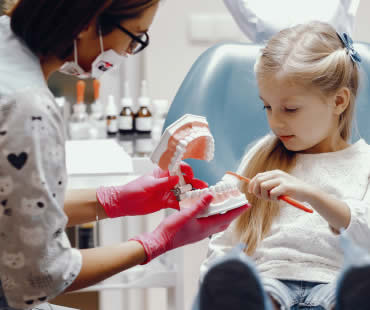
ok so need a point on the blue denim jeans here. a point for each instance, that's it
(294, 295)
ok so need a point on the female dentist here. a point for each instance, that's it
(37, 263)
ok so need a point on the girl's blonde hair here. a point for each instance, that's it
(311, 55)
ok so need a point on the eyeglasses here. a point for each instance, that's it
(138, 43)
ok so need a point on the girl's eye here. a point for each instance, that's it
(266, 107)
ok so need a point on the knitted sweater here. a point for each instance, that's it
(300, 245)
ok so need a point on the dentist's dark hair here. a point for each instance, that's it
(49, 28)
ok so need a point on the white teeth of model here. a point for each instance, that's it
(218, 188)
(175, 162)
(179, 152)
(230, 186)
(179, 149)
(212, 190)
(179, 157)
(193, 136)
(173, 165)
(183, 143)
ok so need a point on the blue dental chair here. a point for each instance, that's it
(221, 86)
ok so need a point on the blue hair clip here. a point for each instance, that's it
(348, 44)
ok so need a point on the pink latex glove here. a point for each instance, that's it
(184, 228)
(188, 175)
(146, 194)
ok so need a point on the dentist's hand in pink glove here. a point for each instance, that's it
(144, 195)
(188, 175)
(184, 228)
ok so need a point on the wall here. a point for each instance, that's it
(362, 24)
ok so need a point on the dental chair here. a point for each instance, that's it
(221, 86)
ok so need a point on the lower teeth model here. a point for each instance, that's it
(190, 137)
(226, 196)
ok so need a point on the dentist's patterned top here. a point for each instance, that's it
(301, 246)
(37, 262)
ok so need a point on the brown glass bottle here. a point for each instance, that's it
(112, 125)
(111, 117)
(126, 121)
(143, 121)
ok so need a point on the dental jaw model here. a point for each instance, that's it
(190, 137)
(226, 196)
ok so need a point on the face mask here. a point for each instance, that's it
(106, 61)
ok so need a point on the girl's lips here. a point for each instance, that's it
(286, 137)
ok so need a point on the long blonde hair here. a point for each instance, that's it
(313, 56)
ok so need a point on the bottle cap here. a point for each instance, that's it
(111, 108)
(80, 86)
(127, 101)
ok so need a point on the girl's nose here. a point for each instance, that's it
(276, 121)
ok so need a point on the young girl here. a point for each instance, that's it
(308, 80)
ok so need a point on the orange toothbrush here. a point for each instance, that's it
(287, 199)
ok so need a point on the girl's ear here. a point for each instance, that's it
(341, 100)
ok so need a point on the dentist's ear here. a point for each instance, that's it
(341, 100)
(91, 27)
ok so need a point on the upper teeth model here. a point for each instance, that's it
(189, 137)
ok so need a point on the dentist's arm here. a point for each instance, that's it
(101, 263)
(174, 231)
(81, 206)
(144, 195)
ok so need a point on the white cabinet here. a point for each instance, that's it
(164, 272)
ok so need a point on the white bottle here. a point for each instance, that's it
(111, 116)
(144, 119)
(144, 124)
(98, 128)
(79, 125)
(160, 110)
(127, 116)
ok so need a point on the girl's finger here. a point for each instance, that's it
(276, 192)
(267, 186)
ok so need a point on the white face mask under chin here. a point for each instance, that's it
(106, 61)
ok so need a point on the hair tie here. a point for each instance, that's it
(348, 44)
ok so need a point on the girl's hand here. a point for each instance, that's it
(270, 185)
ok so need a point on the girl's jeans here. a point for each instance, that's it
(292, 295)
